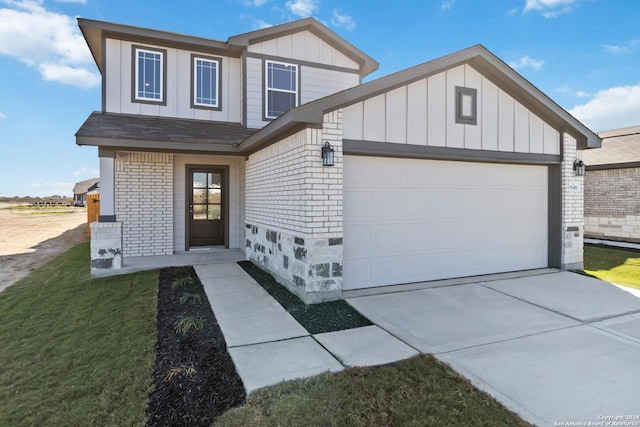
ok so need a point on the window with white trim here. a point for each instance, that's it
(149, 75)
(206, 82)
(281, 88)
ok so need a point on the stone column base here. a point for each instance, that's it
(106, 246)
(310, 268)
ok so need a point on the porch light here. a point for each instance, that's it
(327, 154)
(578, 167)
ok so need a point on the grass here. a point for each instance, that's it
(618, 266)
(315, 318)
(28, 210)
(418, 392)
(76, 351)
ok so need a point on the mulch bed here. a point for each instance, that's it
(315, 318)
(194, 378)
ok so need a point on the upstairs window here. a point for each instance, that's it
(206, 82)
(281, 88)
(149, 75)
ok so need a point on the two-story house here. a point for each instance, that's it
(270, 143)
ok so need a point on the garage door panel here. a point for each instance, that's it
(430, 220)
(359, 236)
(385, 205)
(358, 203)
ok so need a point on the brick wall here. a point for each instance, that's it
(143, 202)
(291, 197)
(572, 207)
(612, 204)
(287, 187)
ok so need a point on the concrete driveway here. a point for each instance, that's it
(556, 348)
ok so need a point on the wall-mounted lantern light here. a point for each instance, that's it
(578, 167)
(327, 154)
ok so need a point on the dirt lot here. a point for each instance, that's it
(29, 237)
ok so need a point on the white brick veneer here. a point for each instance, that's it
(290, 196)
(572, 208)
(144, 202)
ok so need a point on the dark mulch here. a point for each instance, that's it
(315, 318)
(194, 377)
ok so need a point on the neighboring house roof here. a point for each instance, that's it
(479, 57)
(83, 187)
(94, 31)
(161, 133)
(620, 149)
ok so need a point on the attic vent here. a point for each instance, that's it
(466, 105)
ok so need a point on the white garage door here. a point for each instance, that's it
(411, 220)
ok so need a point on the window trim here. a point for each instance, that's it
(266, 90)
(134, 73)
(461, 93)
(218, 60)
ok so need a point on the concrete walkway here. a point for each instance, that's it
(269, 346)
(555, 348)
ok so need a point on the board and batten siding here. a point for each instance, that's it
(119, 81)
(315, 83)
(304, 46)
(423, 113)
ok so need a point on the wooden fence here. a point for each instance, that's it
(93, 210)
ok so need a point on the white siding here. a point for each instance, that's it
(235, 196)
(304, 46)
(178, 89)
(315, 83)
(423, 113)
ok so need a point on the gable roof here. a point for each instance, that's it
(479, 57)
(620, 149)
(83, 187)
(94, 31)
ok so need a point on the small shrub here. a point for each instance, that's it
(189, 298)
(174, 372)
(182, 282)
(187, 324)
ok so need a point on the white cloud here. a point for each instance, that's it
(344, 21)
(626, 48)
(302, 8)
(259, 24)
(72, 1)
(87, 173)
(48, 41)
(526, 62)
(2, 115)
(446, 4)
(551, 8)
(254, 3)
(582, 94)
(611, 109)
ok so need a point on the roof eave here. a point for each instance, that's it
(158, 146)
(367, 64)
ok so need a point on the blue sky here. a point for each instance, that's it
(584, 54)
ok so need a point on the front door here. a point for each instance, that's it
(206, 213)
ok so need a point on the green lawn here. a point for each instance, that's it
(76, 351)
(618, 266)
(418, 392)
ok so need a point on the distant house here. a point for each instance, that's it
(269, 143)
(82, 188)
(612, 186)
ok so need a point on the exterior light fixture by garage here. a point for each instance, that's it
(327, 154)
(578, 167)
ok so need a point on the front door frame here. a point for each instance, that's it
(225, 200)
